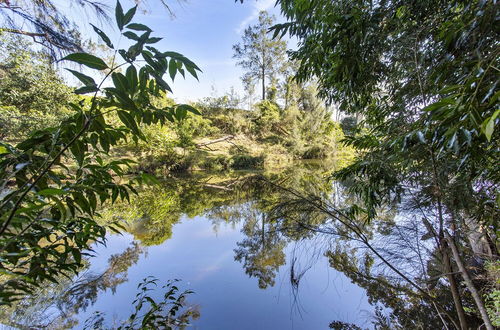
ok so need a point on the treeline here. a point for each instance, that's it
(272, 132)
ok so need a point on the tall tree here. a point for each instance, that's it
(260, 55)
(423, 76)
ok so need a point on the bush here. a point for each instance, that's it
(277, 156)
(233, 122)
(244, 161)
(268, 116)
(217, 163)
(315, 152)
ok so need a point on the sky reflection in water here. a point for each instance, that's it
(227, 298)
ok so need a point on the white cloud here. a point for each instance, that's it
(258, 6)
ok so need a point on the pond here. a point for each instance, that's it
(236, 240)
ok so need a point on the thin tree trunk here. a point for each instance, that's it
(222, 139)
(287, 91)
(453, 287)
(263, 233)
(263, 84)
(468, 282)
(444, 249)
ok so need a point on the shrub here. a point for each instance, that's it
(268, 116)
(245, 161)
(217, 163)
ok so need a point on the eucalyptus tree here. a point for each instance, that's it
(423, 76)
(53, 182)
(260, 55)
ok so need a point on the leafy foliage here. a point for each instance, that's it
(150, 313)
(32, 95)
(422, 78)
(53, 182)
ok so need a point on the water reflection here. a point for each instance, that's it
(274, 224)
(56, 305)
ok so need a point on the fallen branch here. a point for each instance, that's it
(217, 187)
(222, 139)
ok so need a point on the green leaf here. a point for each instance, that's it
(86, 89)
(78, 150)
(189, 108)
(148, 57)
(131, 35)
(119, 15)
(129, 15)
(132, 79)
(180, 113)
(192, 71)
(51, 192)
(128, 120)
(120, 82)
(153, 40)
(172, 69)
(103, 36)
(143, 78)
(86, 80)
(162, 83)
(489, 128)
(125, 101)
(91, 61)
(138, 27)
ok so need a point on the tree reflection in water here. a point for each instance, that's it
(294, 208)
(57, 304)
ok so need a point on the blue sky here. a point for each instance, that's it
(202, 30)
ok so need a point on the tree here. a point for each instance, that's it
(56, 304)
(44, 22)
(422, 75)
(32, 94)
(261, 56)
(48, 210)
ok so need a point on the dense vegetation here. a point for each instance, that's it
(415, 157)
(422, 77)
(53, 181)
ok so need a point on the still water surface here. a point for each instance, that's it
(249, 267)
(228, 298)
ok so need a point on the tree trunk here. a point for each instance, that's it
(453, 287)
(468, 282)
(263, 233)
(444, 249)
(263, 84)
(222, 139)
